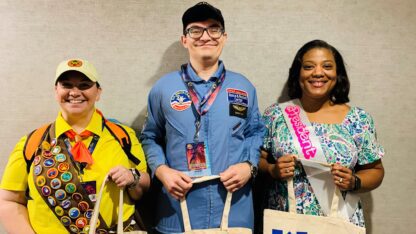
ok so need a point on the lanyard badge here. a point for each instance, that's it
(197, 151)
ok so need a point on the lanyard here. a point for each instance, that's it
(208, 99)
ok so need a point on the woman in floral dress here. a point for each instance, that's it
(347, 134)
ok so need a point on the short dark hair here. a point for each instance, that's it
(339, 93)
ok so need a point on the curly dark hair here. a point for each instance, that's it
(339, 93)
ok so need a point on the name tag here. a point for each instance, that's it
(196, 157)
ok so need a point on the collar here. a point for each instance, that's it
(95, 125)
(196, 79)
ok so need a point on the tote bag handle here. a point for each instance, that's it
(94, 218)
(292, 199)
(225, 214)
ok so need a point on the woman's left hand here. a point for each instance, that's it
(343, 177)
(121, 176)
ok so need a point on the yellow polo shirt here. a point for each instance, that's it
(106, 155)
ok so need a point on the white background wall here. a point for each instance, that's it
(132, 43)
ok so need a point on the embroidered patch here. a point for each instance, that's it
(74, 63)
(180, 100)
(238, 102)
(238, 97)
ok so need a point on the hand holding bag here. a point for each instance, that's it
(94, 218)
(282, 222)
(223, 229)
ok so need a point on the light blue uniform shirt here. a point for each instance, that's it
(229, 139)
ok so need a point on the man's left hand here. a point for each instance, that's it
(236, 176)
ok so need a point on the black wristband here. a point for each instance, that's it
(253, 169)
(357, 183)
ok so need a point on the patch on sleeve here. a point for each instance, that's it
(180, 100)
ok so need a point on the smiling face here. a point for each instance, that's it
(318, 74)
(205, 48)
(76, 95)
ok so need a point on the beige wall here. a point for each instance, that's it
(132, 43)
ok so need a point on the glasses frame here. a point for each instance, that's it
(187, 32)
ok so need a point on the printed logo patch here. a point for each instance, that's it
(238, 102)
(75, 63)
(238, 97)
(180, 100)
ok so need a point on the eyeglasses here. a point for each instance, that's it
(84, 85)
(197, 32)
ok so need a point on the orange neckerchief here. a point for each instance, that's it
(79, 151)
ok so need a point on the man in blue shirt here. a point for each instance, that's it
(203, 120)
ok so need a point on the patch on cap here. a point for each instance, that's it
(74, 63)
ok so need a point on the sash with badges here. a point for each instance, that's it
(56, 179)
(197, 154)
(314, 162)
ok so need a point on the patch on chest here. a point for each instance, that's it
(238, 97)
(180, 100)
(238, 102)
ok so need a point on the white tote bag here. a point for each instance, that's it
(281, 222)
(223, 229)
(94, 218)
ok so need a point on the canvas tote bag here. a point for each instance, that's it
(223, 229)
(281, 222)
(94, 218)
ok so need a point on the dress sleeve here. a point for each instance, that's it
(365, 137)
(15, 175)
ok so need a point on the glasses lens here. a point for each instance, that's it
(197, 32)
(214, 32)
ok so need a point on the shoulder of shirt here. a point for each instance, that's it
(236, 75)
(360, 113)
(167, 80)
(241, 79)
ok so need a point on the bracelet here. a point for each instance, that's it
(136, 176)
(357, 183)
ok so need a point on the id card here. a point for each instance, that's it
(197, 159)
(195, 155)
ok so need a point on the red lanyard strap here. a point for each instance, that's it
(209, 98)
(205, 104)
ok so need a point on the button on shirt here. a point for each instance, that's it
(229, 140)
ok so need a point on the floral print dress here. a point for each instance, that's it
(351, 142)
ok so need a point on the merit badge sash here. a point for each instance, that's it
(57, 181)
(197, 153)
(313, 159)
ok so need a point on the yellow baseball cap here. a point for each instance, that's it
(79, 65)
